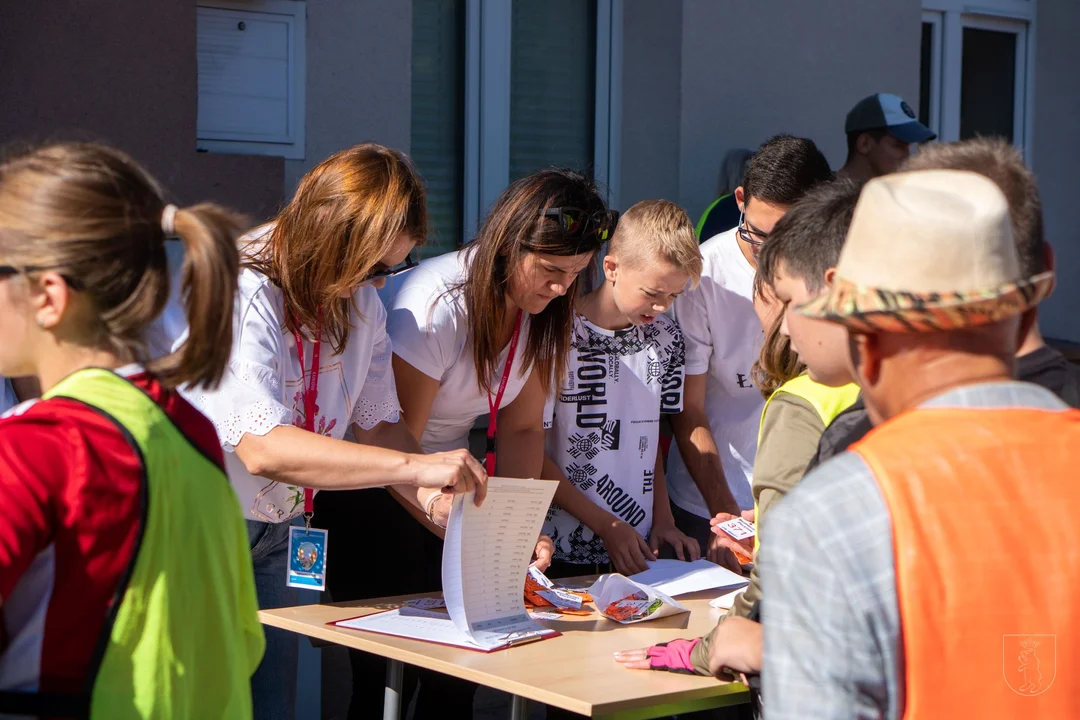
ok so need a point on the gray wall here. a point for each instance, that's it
(751, 70)
(122, 72)
(1056, 155)
(651, 77)
(358, 78)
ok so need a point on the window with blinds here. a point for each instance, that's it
(438, 117)
(552, 85)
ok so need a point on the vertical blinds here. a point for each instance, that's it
(552, 85)
(438, 116)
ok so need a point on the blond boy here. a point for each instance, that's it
(625, 369)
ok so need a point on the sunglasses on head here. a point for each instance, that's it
(10, 270)
(409, 264)
(576, 222)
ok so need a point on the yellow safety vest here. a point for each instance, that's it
(827, 401)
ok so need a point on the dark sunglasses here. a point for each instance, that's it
(9, 270)
(576, 222)
(746, 233)
(409, 264)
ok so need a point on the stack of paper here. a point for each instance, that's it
(676, 577)
(485, 556)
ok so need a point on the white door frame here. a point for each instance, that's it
(487, 103)
(1015, 16)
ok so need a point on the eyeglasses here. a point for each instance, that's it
(10, 270)
(576, 222)
(746, 232)
(409, 264)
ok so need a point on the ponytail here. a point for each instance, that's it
(96, 216)
(208, 285)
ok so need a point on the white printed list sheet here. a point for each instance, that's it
(485, 555)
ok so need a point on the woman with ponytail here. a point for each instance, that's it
(125, 580)
(308, 400)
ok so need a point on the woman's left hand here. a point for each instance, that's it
(542, 554)
(686, 547)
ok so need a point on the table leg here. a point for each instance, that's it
(392, 695)
(519, 708)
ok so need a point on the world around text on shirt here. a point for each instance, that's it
(605, 432)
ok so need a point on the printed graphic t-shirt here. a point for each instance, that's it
(723, 339)
(605, 426)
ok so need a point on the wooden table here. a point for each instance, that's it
(575, 671)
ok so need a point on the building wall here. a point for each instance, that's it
(122, 72)
(1056, 155)
(752, 70)
(651, 91)
(359, 56)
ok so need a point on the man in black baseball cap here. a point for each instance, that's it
(880, 132)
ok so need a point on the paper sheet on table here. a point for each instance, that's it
(414, 623)
(676, 577)
(727, 600)
(486, 552)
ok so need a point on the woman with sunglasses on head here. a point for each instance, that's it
(484, 331)
(126, 585)
(308, 401)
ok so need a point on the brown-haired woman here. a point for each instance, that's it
(311, 366)
(120, 530)
(483, 332)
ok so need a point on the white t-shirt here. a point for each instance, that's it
(606, 426)
(723, 338)
(430, 331)
(262, 386)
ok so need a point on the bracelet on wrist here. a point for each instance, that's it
(429, 507)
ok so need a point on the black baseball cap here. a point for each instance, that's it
(890, 113)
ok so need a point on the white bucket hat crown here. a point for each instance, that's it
(928, 251)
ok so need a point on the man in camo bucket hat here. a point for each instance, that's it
(913, 262)
(883, 555)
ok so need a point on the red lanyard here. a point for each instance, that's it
(493, 406)
(311, 395)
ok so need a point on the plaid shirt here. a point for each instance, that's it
(833, 645)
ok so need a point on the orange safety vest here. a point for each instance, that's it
(985, 510)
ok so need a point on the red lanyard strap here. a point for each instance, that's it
(493, 406)
(311, 394)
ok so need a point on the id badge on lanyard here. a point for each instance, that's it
(307, 545)
(493, 405)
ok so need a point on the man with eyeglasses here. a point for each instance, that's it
(711, 466)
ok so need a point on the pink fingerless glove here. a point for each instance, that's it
(673, 656)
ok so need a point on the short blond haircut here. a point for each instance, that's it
(658, 229)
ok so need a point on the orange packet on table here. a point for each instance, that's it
(542, 592)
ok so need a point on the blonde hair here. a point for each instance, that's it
(93, 215)
(658, 229)
(346, 214)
